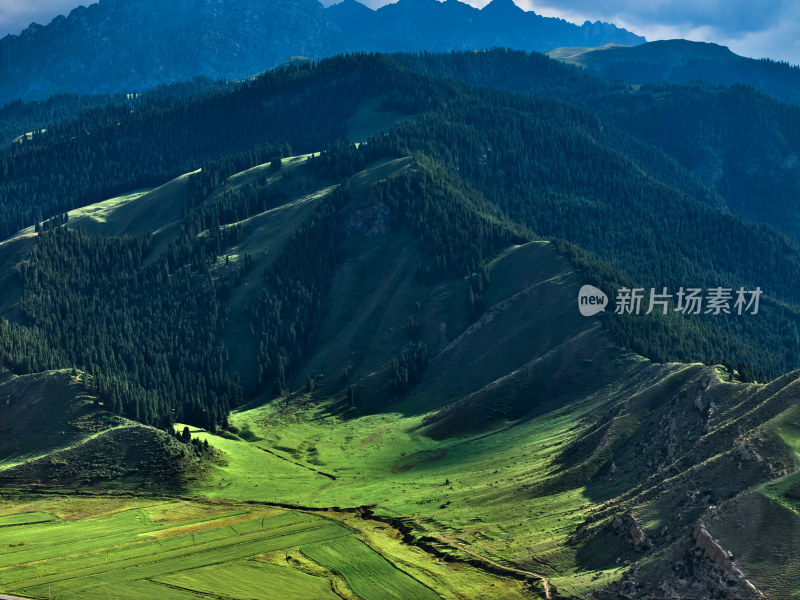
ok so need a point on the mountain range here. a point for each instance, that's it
(322, 331)
(116, 46)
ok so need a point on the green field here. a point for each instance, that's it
(26, 519)
(463, 490)
(134, 548)
(367, 573)
(251, 579)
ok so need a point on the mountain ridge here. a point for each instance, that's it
(500, 23)
(117, 46)
(114, 46)
(682, 61)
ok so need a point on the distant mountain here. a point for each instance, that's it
(123, 46)
(115, 46)
(681, 61)
(410, 25)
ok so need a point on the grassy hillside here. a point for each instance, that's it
(123, 458)
(541, 494)
(56, 434)
(56, 406)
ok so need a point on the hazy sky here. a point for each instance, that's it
(765, 28)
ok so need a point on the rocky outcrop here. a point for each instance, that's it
(367, 217)
(722, 560)
(629, 528)
(744, 451)
(714, 551)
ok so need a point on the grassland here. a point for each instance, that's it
(464, 491)
(56, 406)
(166, 548)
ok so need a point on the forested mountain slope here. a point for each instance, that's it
(393, 327)
(682, 61)
(742, 144)
(488, 395)
(539, 162)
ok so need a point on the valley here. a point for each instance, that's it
(535, 458)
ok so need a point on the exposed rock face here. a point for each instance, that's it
(721, 559)
(368, 217)
(714, 551)
(697, 567)
(628, 527)
(745, 451)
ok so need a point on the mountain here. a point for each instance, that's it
(381, 344)
(536, 184)
(525, 434)
(116, 46)
(740, 143)
(413, 25)
(682, 61)
(18, 118)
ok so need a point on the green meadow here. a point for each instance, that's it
(91, 547)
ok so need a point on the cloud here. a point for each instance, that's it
(767, 29)
(16, 15)
(728, 17)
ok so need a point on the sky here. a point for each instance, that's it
(763, 28)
